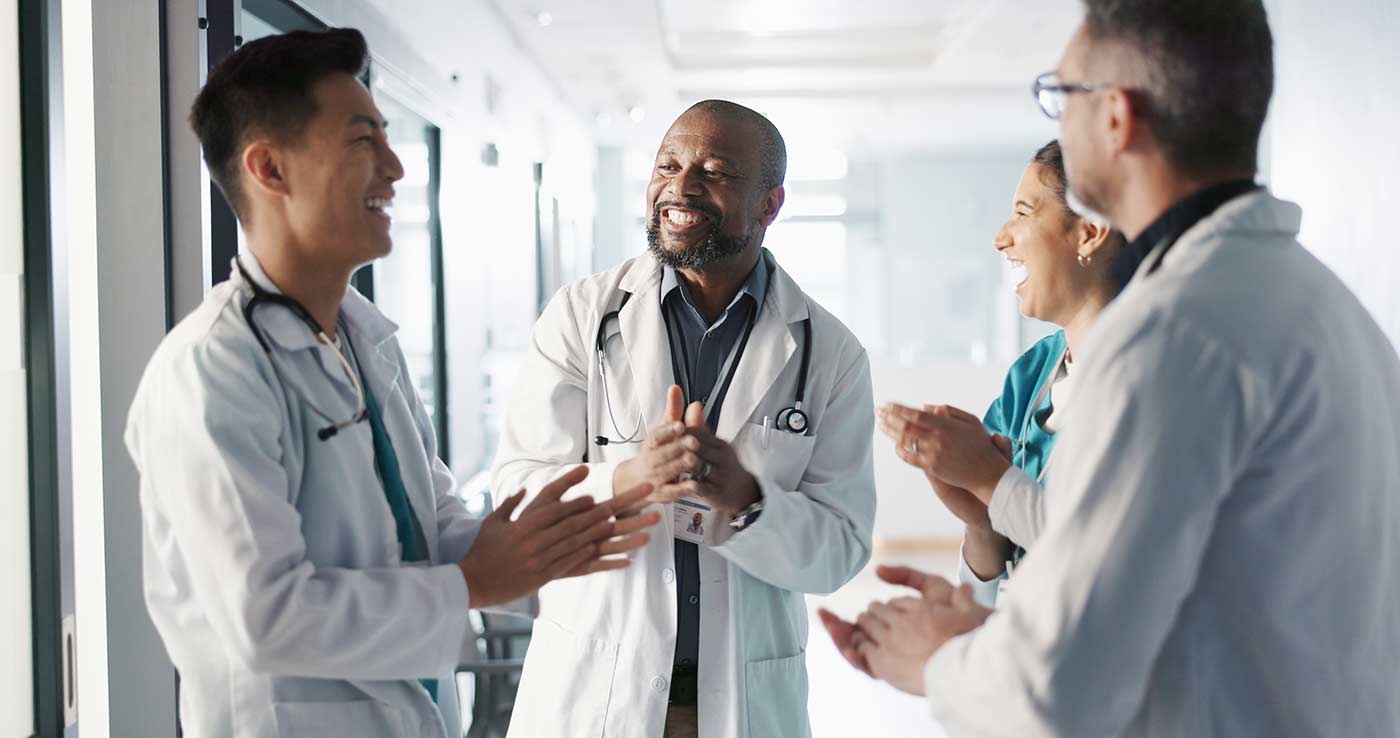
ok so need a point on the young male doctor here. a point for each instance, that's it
(705, 634)
(306, 563)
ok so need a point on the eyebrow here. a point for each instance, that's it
(359, 118)
(722, 159)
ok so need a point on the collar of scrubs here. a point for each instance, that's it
(367, 324)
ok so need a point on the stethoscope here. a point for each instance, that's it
(792, 419)
(261, 297)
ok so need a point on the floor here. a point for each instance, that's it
(845, 703)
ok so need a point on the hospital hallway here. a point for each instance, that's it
(873, 179)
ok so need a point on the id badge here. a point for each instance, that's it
(693, 519)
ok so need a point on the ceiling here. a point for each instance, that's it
(881, 74)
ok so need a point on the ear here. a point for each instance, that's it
(1120, 120)
(772, 203)
(264, 168)
(1092, 237)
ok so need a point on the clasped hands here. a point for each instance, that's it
(893, 641)
(682, 457)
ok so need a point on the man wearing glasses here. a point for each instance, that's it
(1223, 523)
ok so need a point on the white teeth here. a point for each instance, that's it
(378, 203)
(1019, 273)
(682, 218)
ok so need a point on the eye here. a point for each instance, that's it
(667, 168)
(714, 173)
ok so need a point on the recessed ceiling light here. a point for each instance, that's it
(544, 18)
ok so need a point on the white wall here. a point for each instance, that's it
(16, 638)
(1333, 144)
(935, 306)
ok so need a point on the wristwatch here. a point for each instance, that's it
(744, 518)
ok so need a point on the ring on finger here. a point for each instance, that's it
(913, 446)
(704, 473)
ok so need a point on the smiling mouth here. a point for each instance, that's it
(1019, 272)
(379, 206)
(681, 218)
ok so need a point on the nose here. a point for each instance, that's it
(1003, 241)
(686, 183)
(390, 165)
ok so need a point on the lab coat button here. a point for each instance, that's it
(668, 576)
(694, 599)
(658, 684)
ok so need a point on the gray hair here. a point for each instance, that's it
(1202, 72)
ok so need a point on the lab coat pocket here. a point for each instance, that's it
(776, 693)
(777, 456)
(338, 719)
(567, 682)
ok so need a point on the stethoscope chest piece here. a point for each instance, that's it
(793, 420)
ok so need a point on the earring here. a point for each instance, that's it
(1084, 261)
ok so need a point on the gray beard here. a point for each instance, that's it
(714, 247)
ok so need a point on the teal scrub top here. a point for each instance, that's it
(1024, 382)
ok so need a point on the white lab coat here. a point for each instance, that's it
(600, 661)
(271, 559)
(1221, 552)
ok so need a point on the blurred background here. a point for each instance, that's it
(527, 130)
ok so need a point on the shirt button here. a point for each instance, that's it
(668, 576)
(658, 684)
(695, 599)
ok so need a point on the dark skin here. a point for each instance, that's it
(708, 172)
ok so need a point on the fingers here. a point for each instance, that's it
(934, 588)
(688, 488)
(875, 627)
(695, 415)
(554, 490)
(508, 505)
(615, 546)
(962, 415)
(675, 403)
(1003, 445)
(538, 518)
(664, 433)
(628, 501)
(964, 600)
(627, 526)
(683, 462)
(911, 605)
(843, 635)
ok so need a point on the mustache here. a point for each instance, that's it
(699, 207)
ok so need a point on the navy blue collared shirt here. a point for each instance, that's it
(702, 350)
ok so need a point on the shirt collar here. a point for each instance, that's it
(755, 286)
(1179, 219)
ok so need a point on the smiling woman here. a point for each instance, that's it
(1068, 270)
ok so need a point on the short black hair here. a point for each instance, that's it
(265, 88)
(1203, 71)
(772, 149)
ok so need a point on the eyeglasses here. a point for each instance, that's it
(1053, 94)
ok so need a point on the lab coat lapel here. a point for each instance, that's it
(644, 338)
(379, 363)
(770, 348)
